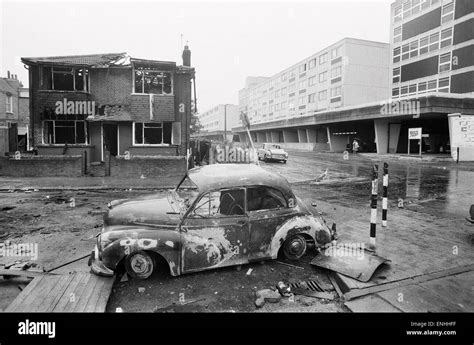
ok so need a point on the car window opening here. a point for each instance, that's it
(221, 203)
(264, 198)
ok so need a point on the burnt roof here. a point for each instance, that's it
(218, 176)
(92, 60)
(82, 60)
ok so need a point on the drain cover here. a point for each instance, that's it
(308, 285)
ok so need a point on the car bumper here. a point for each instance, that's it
(97, 266)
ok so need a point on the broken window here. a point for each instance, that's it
(264, 198)
(153, 81)
(156, 133)
(64, 78)
(64, 132)
(228, 202)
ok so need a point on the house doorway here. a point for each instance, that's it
(110, 138)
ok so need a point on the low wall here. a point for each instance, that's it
(41, 166)
(148, 166)
(76, 150)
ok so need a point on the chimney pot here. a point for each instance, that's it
(186, 56)
(8, 74)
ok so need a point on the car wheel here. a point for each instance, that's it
(284, 162)
(266, 157)
(294, 247)
(140, 265)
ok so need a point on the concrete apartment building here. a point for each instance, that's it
(431, 79)
(14, 115)
(347, 73)
(432, 47)
(432, 55)
(219, 121)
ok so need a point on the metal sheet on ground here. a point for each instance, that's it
(61, 293)
(360, 267)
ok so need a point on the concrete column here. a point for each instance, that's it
(337, 143)
(268, 137)
(275, 137)
(394, 136)
(290, 136)
(381, 135)
(261, 137)
(311, 135)
(302, 136)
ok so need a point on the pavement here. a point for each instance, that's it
(427, 237)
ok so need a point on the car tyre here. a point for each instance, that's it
(266, 157)
(294, 247)
(140, 264)
(284, 162)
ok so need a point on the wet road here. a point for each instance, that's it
(437, 188)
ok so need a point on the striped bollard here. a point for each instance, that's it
(373, 205)
(385, 195)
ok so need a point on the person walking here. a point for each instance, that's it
(355, 146)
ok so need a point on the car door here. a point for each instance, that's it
(215, 232)
(267, 209)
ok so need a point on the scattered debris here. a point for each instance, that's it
(266, 295)
(124, 278)
(141, 289)
(118, 310)
(249, 272)
(284, 290)
(7, 208)
(58, 199)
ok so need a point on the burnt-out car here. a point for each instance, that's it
(219, 215)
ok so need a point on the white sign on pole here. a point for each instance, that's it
(414, 133)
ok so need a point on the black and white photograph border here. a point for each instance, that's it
(237, 157)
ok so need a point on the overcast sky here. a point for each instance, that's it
(229, 40)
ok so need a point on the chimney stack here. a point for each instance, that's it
(186, 56)
(8, 74)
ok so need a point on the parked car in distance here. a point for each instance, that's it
(272, 152)
(235, 214)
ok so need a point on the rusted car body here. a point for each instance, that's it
(272, 152)
(236, 214)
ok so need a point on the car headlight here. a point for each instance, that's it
(286, 155)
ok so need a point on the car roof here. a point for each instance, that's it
(217, 176)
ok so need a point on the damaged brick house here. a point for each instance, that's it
(110, 103)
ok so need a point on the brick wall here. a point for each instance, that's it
(111, 86)
(41, 166)
(148, 166)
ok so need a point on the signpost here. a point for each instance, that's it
(414, 134)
